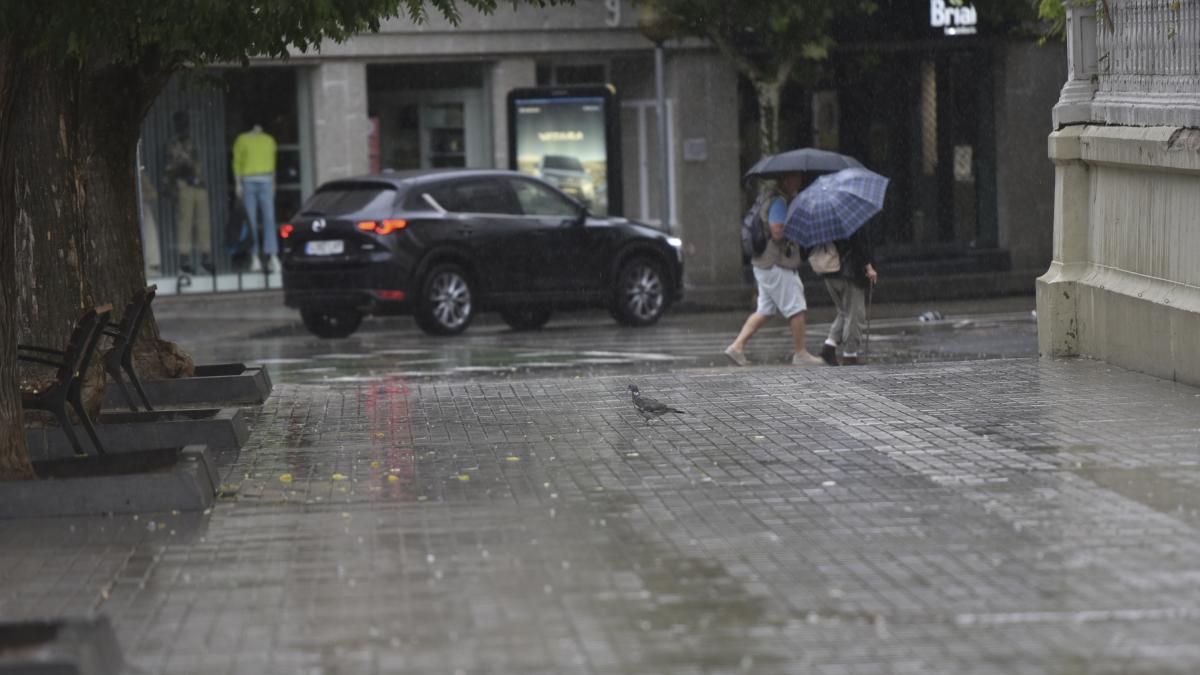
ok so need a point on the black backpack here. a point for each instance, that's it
(755, 227)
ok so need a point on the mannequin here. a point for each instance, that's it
(150, 250)
(185, 184)
(254, 176)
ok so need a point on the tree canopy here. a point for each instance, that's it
(179, 33)
(765, 40)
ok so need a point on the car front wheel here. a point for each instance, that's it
(337, 323)
(445, 307)
(640, 295)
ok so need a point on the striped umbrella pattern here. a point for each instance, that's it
(834, 206)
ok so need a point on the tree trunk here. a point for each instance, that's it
(768, 95)
(14, 456)
(68, 207)
(74, 147)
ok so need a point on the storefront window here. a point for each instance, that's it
(196, 231)
(429, 116)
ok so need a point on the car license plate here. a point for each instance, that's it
(325, 247)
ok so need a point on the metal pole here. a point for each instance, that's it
(664, 159)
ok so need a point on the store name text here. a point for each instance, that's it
(954, 17)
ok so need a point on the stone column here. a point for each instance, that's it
(707, 182)
(1075, 102)
(1058, 333)
(506, 75)
(340, 124)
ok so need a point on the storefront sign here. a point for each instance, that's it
(954, 17)
(568, 136)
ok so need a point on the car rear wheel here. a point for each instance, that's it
(445, 307)
(337, 323)
(640, 295)
(526, 318)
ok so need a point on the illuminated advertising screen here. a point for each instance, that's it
(567, 136)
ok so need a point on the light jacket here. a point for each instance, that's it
(253, 154)
(783, 253)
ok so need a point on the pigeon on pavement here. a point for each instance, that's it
(648, 407)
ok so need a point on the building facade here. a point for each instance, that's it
(1124, 285)
(952, 112)
(435, 95)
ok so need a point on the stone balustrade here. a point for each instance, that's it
(1136, 63)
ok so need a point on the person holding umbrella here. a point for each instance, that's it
(776, 274)
(847, 288)
(827, 219)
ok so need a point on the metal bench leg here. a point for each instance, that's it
(77, 403)
(115, 373)
(127, 364)
(64, 420)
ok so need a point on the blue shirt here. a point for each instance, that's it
(778, 212)
(782, 253)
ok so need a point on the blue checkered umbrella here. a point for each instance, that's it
(834, 206)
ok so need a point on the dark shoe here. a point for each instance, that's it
(850, 361)
(207, 264)
(185, 265)
(829, 354)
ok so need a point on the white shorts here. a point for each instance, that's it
(779, 290)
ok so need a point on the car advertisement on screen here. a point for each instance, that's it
(564, 135)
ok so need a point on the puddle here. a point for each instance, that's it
(452, 362)
(1059, 449)
(1148, 487)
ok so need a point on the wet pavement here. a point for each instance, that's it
(260, 330)
(930, 513)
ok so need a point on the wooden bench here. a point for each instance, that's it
(124, 336)
(67, 387)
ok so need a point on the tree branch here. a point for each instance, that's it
(743, 65)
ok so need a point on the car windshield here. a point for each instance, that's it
(561, 162)
(346, 198)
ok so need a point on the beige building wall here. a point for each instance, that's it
(1124, 283)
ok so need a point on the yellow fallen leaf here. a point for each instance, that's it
(375, 464)
(422, 498)
(339, 476)
(392, 478)
(286, 478)
(379, 434)
(464, 477)
(512, 458)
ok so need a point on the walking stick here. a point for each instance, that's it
(867, 343)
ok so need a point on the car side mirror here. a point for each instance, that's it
(581, 216)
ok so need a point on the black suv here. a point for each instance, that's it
(444, 245)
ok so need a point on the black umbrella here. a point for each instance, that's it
(803, 159)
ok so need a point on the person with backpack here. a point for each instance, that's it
(776, 264)
(848, 267)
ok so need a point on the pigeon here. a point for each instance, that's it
(649, 407)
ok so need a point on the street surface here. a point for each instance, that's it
(493, 503)
(259, 329)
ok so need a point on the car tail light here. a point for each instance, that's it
(285, 230)
(382, 226)
(390, 295)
